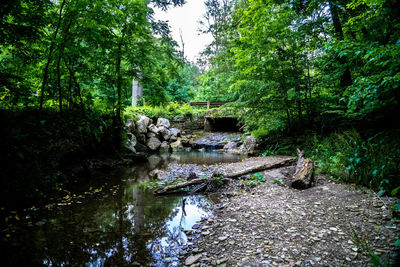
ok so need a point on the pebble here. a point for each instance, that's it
(192, 259)
(222, 260)
(222, 238)
(277, 226)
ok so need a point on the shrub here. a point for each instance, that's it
(372, 162)
(167, 111)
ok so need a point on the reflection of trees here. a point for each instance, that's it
(114, 230)
(150, 215)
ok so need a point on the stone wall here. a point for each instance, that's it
(188, 123)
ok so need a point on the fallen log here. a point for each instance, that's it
(170, 188)
(304, 175)
(235, 170)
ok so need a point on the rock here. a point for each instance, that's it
(150, 135)
(176, 146)
(141, 148)
(131, 142)
(164, 146)
(153, 161)
(173, 138)
(154, 129)
(185, 141)
(156, 174)
(153, 143)
(192, 259)
(130, 125)
(222, 238)
(163, 122)
(222, 260)
(143, 123)
(164, 133)
(141, 138)
(230, 146)
(175, 132)
(249, 145)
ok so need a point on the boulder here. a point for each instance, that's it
(176, 146)
(249, 145)
(163, 122)
(173, 138)
(164, 132)
(141, 138)
(150, 135)
(153, 143)
(154, 160)
(164, 146)
(231, 147)
(143, 123)
(131, 142)
(130, 125)
(141, 148)
(185, 141)
(175, 132)
(154, 129)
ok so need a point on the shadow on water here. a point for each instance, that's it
(124, 225)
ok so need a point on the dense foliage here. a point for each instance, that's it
(66, 70)
(306, 62)
(83, 54)
(289, 67)
(313, 67)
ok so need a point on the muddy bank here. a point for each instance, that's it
(270, 224)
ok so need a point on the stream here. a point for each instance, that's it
(122, 223)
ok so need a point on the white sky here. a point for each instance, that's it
(186, 18)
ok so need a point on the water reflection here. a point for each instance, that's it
(129, 226)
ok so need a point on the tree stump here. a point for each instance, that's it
(304, 175)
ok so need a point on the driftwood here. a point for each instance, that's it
(234, 170)
(170, 188)
(304, 175)
(259, 164)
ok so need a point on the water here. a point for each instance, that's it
(123, 224)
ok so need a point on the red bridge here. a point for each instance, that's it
(208, 104)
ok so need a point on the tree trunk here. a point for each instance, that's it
(304, 175)
(345, 79)
(46, 68)
(59, 83)
(118, 80)
(235, 170)
(69, 97)
(169, 189)
(78, 87)
(117, 133)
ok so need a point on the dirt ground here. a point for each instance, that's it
(272, 224)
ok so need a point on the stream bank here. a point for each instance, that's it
(269, 224)
(117, 221)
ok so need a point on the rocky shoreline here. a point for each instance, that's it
(270, 224)
(148, 136)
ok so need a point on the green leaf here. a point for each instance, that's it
(376, 260)
(395, 191)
